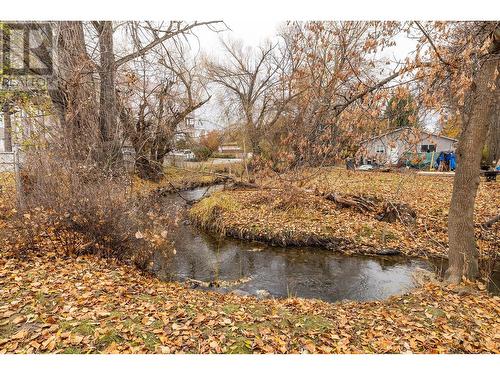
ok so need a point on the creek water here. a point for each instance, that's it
(248, 267)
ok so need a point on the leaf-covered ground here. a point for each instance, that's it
(64, 304)
(90, 305)
(286, 216)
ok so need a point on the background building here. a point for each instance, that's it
(390, 148)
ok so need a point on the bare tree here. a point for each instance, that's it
(252, 83)
(86, 67)
(158, 98)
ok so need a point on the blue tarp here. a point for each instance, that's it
(447, 157)
(453, 162)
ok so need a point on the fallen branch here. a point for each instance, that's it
(242, 185)
(492, 221)
(360, 203)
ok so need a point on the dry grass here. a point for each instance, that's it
(288, 216)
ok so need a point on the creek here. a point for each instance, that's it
(230, 265)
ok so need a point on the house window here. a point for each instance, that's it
(380, 149)
(190, 122)
(427, 148)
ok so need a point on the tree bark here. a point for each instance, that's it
(110, 154)
(7, 123)
(149, 169)
(72, 92)
(463, 253)
(107, 94)
(493, 139)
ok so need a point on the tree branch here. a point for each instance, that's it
(157, 41)
(432, 45)
(340, 107)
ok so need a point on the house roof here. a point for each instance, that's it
(409, 128)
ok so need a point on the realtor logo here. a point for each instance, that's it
(26, 48)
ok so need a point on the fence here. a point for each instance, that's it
(6, 162)
(11, 162)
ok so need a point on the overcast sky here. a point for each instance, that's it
(251, 33)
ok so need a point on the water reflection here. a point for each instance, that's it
(302, 272)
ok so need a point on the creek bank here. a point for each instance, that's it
(222, 264)
(258, 216)
(189, 185)
(281, 218)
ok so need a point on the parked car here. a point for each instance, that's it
(186, 154)
(189, 155)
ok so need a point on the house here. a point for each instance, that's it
(230, 148)
(187, 128)
(24, 125)
(2, 133)
(190, 129)
(402, 143)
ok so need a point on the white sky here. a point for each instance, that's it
(253, 33)
(247, 30)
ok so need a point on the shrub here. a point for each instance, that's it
(201, 152)
(82, 210)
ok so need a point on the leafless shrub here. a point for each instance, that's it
(81, 211)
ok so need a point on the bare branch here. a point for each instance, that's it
(157, 41)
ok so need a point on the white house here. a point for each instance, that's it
(388, 148)
(191, 128)
(230, 148)
(23, 126)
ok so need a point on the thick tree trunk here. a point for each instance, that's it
(148, 169)
(72, 92)
(462, 253)
(7, 123)
(149, 161)
(107, 96)
(255, 137)
(110, 155)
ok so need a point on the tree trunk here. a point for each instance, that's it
(493, 139)
(107, 96)
(254, 137)
(72, 92)
(7, 123)
(148, 169)
(462, 253)
(149, 160)
(110, 147)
